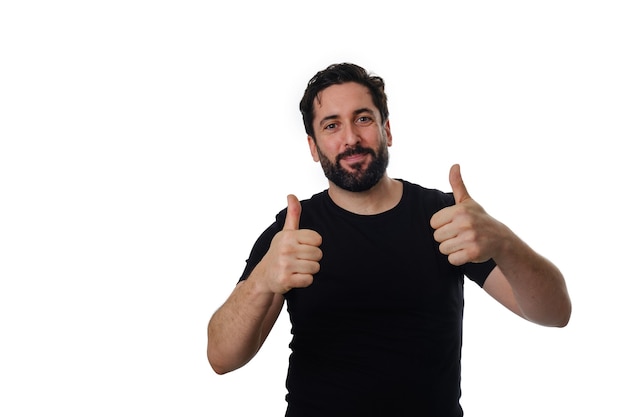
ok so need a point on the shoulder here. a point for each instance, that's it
(430, 199)
(311, 205)
(315, 200)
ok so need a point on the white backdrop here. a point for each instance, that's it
(145, 145)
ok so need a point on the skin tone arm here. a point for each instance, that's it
(524, 281)
(239, 327)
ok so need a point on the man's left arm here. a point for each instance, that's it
(524, 281)
(530, 286)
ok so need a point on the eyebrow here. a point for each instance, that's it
(354, 113)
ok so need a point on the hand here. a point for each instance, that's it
(294, 254)
(466, 233)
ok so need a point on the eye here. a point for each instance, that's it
(364, 120)
(330, 126)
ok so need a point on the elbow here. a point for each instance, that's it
(221, 363)
(566, 312)
(565, 307)
(217, 365)
(216, 359)
(565, 317)
(561, 323)
(558, 311)
(558, 317)
(221, 368)
(562, 319)
(218, 370)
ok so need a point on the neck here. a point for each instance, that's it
(385, 195)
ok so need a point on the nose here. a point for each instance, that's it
(351, 136)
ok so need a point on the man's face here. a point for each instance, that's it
(351, 140)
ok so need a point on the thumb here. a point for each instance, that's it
(292, 221)
(458, 187)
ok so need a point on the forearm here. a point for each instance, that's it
(537, 284)
(239, 327)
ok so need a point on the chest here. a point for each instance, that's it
(388, 267)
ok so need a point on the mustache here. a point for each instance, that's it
(356, 150)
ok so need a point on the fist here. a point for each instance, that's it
(465, 232)
(294, 254)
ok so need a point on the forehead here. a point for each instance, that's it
(343, 98)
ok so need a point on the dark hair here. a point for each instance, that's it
(339, 74)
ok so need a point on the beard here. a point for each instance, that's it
(360, 178)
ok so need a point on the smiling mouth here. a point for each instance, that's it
(355, 162)
(355, 158)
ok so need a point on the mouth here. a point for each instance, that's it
(355, 162)
(356, 155)
(356, 158)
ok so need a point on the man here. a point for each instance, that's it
(372, 270)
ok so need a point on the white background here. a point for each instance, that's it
(146, 144)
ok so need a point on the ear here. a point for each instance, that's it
(313, 148)
(387, 128)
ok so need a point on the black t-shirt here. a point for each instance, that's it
(380, 328)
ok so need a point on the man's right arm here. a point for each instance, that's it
(239, 327)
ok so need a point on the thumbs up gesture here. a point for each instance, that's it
(466, 232)
(294, 254)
